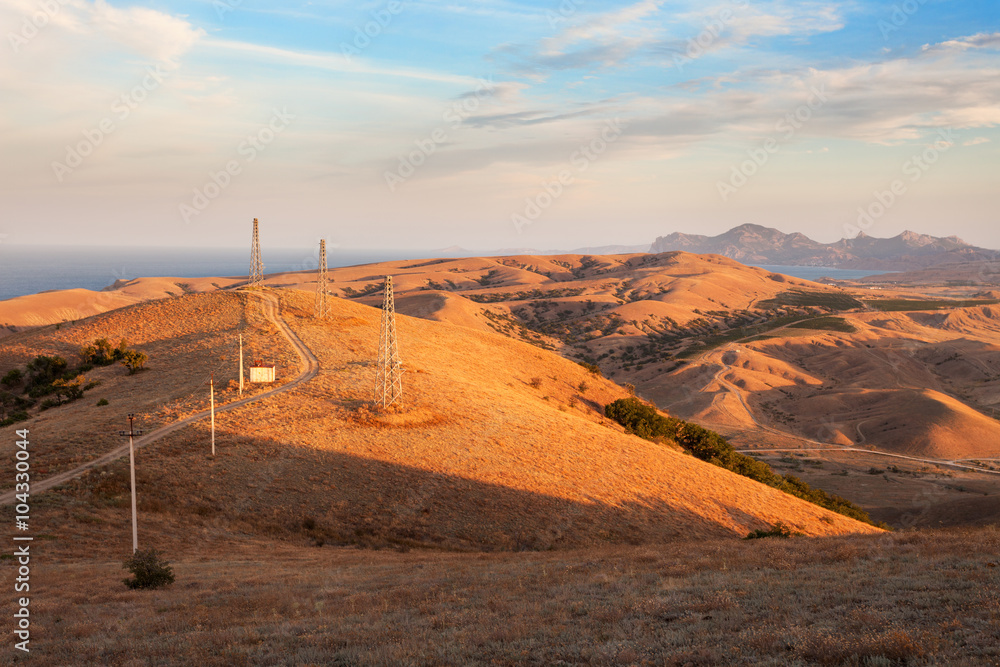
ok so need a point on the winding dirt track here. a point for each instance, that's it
(819, 446)
(310, 367)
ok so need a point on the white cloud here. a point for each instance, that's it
(147, 32)
(978, 41)
(89, 26)
(334, 63)
(898, 100)
(612, 38)
(976, 141)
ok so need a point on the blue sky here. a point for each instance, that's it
(496, 124)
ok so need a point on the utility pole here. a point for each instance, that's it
(211, 398)
(256, 265)
(241, 364)
(131, 433)
(321, 282)
(388, 373)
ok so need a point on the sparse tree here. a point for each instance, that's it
(134, 361)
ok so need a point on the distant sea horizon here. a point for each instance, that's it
(32, 269)
(28, 270)
(817, 272)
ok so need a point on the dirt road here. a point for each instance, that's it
(309, 369)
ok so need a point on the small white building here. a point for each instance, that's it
(262, 374)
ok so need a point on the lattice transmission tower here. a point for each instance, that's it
(388, 373)
(321, 282)
(256, 265)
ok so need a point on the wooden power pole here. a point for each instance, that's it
(131, 433)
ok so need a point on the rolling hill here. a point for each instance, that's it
(500, 445)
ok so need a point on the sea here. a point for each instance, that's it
(28, 269)
(817, 272)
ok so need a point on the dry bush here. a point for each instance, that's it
(894, 645)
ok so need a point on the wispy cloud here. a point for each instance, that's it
(333, 63)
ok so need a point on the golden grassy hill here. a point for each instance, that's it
(59, 306)
(923, 383)
(187, 338)
(500, 445)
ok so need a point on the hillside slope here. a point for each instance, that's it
(500, 446)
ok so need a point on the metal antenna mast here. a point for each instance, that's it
(321, 282)
(388, 373)
(256, 265)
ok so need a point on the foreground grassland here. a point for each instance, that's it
(913, 598)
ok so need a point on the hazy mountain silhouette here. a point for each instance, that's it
(755, 244)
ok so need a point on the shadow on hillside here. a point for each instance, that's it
(269, 488)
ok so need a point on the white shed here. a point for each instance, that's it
(262, 374)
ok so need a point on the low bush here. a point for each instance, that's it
(149, 570)
(646, 421)
(12, 378)
(777, 530)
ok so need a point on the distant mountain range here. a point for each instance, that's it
(754, 244)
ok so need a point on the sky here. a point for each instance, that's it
(495, 124)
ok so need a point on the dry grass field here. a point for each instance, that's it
(914, 598)
(497, 517)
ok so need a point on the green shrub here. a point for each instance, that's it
(777, 530)
(12, 405)
(149, 570)
(99, 354)
(593, 369)
(639, 418)
(42, 372)
(15, 417)
(134, 361)
(646, 421)
(103, 401)
(12, 378)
